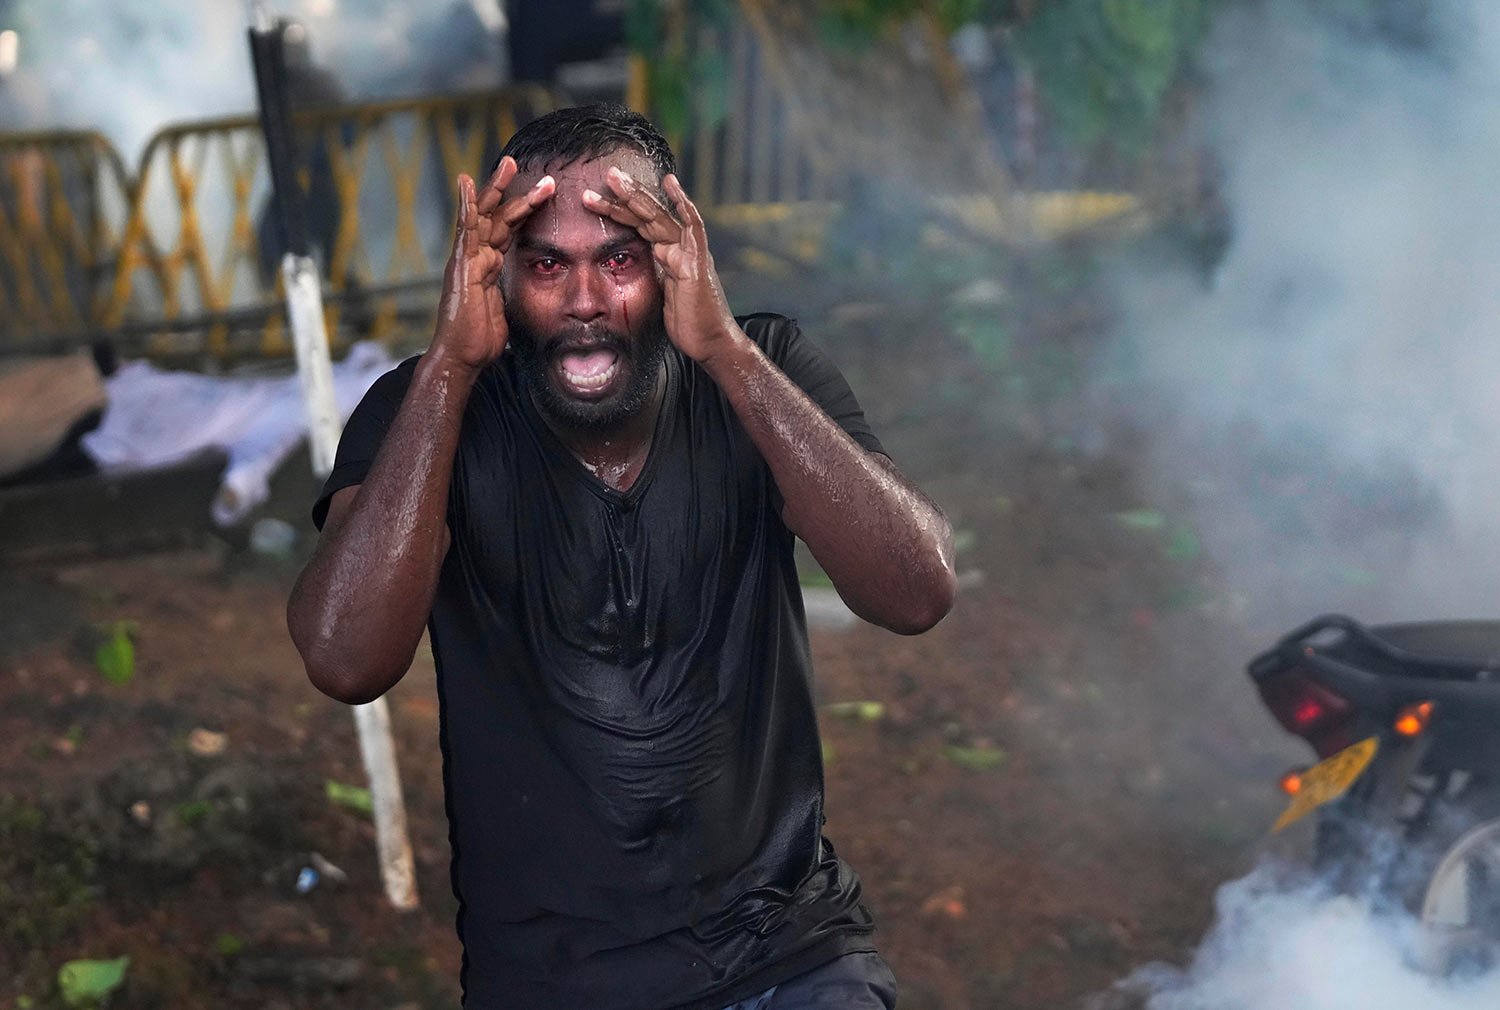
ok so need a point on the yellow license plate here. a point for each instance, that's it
(1327, 780)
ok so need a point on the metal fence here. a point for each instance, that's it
(179, 259)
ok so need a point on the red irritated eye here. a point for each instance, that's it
(546, 265)
(619, 261)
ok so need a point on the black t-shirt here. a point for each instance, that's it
(631, 757)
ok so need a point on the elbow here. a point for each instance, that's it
(340, 684)
(331, 669)
(927, 604)
(932, 584)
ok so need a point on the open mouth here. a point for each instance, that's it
(588, 372)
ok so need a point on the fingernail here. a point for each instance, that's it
(589, 194)
(621, 173)
(543, 181)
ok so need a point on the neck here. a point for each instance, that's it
(616, 454)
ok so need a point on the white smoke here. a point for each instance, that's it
(1330, 394)
(129, 67)
(1329, 399)
(1275, 947)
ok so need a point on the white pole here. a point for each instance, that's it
(315, 368)
(304, 302)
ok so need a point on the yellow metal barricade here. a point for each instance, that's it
(62, 196)
(181, 260)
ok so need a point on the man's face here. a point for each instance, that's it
(583, 301)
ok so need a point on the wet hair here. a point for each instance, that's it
(586, 132)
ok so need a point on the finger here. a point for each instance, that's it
(659, 232)
(501, 229)
(634, 195)
(494, 190)
(466, 234)
(516, 211)
(687, 211)
(639, 209)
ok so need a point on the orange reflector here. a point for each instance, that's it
(1413, 719)
(1291, 783)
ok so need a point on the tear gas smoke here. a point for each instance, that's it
(127, 69)
(1273, 948)
(1328, 396)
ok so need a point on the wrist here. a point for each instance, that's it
(443, 365)
(726, 351)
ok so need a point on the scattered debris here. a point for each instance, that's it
(206, 742)
(273, 537)
(84, 983)
(356, 798)
(140, 812)
(947, 903)
(327, 868)
(307, 879)
(980, 757)
(864, 711)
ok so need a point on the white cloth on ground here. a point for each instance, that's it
(157, 417)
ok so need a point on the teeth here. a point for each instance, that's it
(591, 382)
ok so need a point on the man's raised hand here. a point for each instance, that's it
(696, 313)
(471, 326)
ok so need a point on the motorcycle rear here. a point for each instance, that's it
(1405, 720)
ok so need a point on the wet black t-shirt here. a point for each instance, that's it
(631, 757)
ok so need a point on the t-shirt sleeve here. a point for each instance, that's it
(814, 372)
(363, 434)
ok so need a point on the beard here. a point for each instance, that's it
(640, 357)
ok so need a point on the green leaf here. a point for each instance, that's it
(351, 797)
(865, 711)
(976, 758)
(84, 983)
(115, 658)
(228, 945)
(193, 811)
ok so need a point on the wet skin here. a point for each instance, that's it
(583, 265)
(584, 302)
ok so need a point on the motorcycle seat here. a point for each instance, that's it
(1444, 648)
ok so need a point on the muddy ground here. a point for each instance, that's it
(1053, 784)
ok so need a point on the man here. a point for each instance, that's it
(587, 489)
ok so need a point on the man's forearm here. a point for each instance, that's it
(359, 608)
(885, 545)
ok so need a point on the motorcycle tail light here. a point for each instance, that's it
(1413, 719)
(1309, 710)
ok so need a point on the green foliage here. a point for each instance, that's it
(193, 811)
(1105, 66)
(688, 85)
(115, 657)
(85, 983)
(45, 878)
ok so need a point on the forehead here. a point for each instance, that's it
(575, 176)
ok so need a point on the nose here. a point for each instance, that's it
(586, 298)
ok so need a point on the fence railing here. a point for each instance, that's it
(180, 258)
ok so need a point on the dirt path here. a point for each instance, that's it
(1044, 795)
